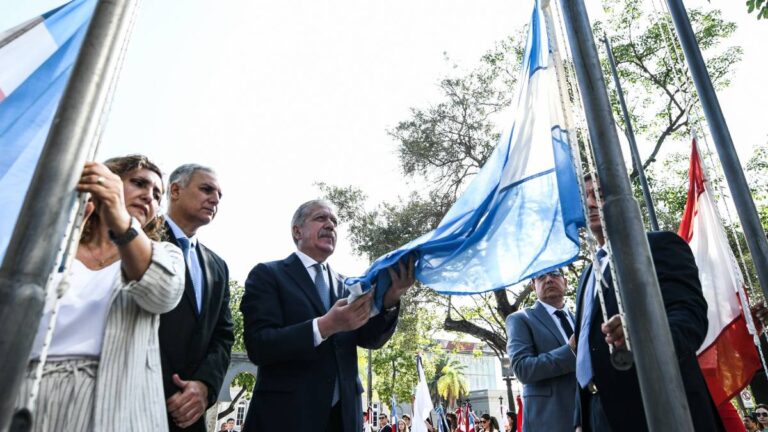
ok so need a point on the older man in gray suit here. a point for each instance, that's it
(540, 347)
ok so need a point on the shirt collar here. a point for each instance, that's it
(550, 309)
(307, 260)
(178, 233)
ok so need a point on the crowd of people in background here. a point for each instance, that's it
(757, 420)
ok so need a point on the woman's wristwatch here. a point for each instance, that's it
(126, 237)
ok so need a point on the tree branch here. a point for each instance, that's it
(495, 341)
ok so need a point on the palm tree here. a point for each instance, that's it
(441, 361)
(452, 384)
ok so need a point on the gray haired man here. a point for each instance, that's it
(196, 337)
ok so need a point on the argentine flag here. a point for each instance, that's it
(36, 59)
(520, 215)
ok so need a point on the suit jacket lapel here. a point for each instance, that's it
(295, 269)
(339, 289)
(580, 297)
(541, 314)
(609, 291)
(189, 289)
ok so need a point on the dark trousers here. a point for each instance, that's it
(593, 413)
(334, 419)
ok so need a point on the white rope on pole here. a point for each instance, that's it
(591, 240)
(69, 244)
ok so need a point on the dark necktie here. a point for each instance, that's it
(322, 285)
(564, 323)
(325, 297)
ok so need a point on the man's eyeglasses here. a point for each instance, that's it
(553, 273)
(761, 413)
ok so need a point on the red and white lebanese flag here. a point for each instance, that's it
(728, 357)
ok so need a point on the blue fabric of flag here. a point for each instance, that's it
(26, 114)
(442, 423)
(519, 217)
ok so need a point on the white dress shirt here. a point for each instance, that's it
(551, 311)
(312, 271)
(194, 267)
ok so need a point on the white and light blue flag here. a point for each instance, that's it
(442, 423)
(520, 215)
(36, 59)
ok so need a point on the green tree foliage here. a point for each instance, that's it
(452, 384)
(245, 381)
(652, 69)
(394, 365)
(443, 363)
(761, 6)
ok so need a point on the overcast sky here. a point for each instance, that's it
(278, 94)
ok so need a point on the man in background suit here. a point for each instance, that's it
(196, 337)
(608, 399)
(303, 334)
(541, 357)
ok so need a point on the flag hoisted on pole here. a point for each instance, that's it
(728, 357)
(442, 422)
(36, 59)
(519, 217)
(422, 401)
(69, 138)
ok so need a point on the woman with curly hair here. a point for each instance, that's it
(103, 372)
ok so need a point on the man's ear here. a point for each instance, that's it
(296, 233)
(175, 189)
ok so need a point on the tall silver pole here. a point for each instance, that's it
(631, 138)
(369, 393)
(737, 182)
(42, 221)
(664, 401)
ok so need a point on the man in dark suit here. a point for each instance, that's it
(303, 334)
(609, 399)
(541, 357)
(384, 423)
(196, 337)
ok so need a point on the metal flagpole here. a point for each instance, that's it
(631, 138)
(664, 401)
(43, 219)
(737, 182)
(369, 393)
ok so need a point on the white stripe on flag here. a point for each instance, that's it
(22, 55)
(718, 271)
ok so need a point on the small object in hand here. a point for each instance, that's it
(100, 180)
(621, 359)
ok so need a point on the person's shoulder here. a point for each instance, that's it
(659, 238)
(272, 267)
(521, 315)
(211, 254)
